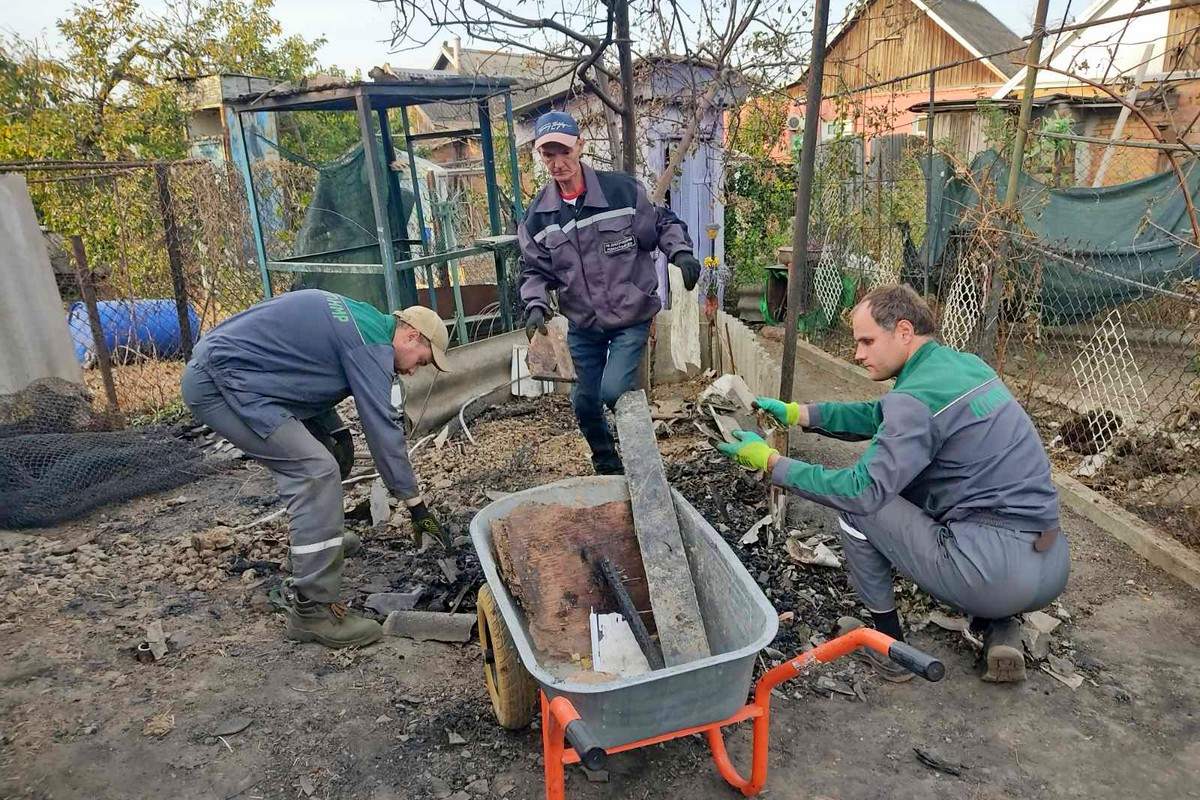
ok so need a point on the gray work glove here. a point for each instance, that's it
(689, 266)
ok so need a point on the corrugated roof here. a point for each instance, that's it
(537, 76)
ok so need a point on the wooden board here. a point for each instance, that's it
(672, 594)
(546, 555)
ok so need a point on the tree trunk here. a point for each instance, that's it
(612, 123)
(628, 120)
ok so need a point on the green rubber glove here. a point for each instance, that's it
(750, 450)
(787, 413)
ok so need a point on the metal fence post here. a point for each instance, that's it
(514, 162)
(376, 182)
(237, 143)
(798, 277)
(989, 346)
(928, 242)
(174, 256)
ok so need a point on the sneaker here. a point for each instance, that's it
(1003, 652)
(888, 670)
(330, 624)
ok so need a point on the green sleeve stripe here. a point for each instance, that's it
(848, 482)
(860, 418)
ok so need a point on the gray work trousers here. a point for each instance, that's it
(982, 569)
(306, 476)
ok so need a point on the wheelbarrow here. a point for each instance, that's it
(585, 722)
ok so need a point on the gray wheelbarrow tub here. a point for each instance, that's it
(738, 619)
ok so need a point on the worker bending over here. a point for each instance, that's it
(268, 379)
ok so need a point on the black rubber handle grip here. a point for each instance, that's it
(917, 662)
(591, 754)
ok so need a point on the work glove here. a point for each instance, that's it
(689, 266)
(339, 442)
(787, 413)
(424, 521)
(342, 447)
(535, 321)
(750, 450)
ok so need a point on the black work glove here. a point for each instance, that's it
(339, 442)
(690, 268)
(342, 447)
(425, 522)
(535, 321)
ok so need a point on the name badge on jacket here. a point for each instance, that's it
(622, 245)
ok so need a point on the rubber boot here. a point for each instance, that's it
(351, 544)
(330, 624)
(888, 670)
(1003, 652)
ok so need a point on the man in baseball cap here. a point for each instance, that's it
(558, 127)
(432, 332)
(268, 380)
(589, 237)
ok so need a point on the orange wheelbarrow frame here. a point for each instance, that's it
(565, 739)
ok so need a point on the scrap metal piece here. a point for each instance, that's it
(608, 575)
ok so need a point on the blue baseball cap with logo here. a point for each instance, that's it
(558, 127)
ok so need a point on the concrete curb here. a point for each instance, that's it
(822, 360)
(1158, 548)
(1140, 536)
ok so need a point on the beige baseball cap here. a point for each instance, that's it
(432, 328)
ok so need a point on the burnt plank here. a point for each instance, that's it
(547, 554)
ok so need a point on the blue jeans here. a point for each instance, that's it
(606, 365)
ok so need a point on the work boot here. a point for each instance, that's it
(888, 670)
(1003, 652)
(330, 624)
(351, 544)
(606, 460)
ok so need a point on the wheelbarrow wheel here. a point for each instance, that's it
(513, 690)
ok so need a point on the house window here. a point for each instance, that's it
(920, 126)
(836, 129)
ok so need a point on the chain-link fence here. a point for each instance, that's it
(315, 207)
(1087, 302)
(147, 256)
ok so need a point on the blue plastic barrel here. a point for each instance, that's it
(147, 328)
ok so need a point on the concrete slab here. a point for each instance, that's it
(1159, 549)
(681, 631)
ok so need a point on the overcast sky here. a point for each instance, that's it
(359, 31)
